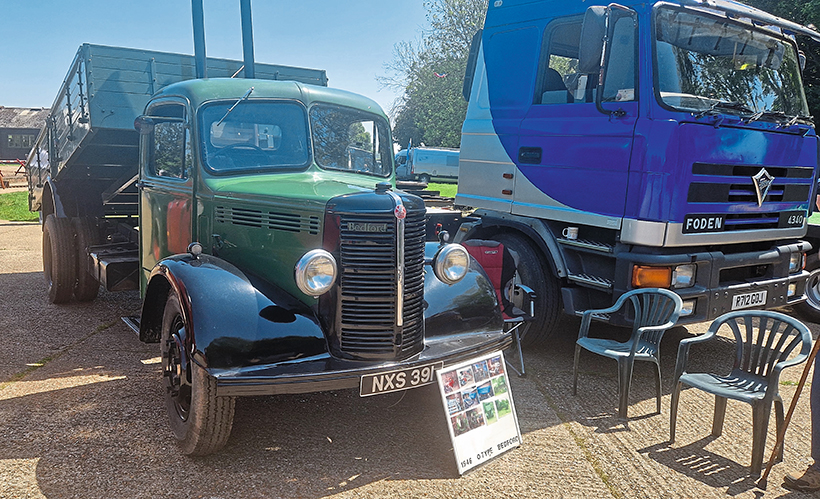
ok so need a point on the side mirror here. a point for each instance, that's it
(144, 124)
(597, 31)
(593, 33)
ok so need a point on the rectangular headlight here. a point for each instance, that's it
(795, 262)
(684, 276)
(688, 308)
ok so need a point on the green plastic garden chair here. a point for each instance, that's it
(655, 310)
(765, 342)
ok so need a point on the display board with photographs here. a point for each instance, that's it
(480, 411)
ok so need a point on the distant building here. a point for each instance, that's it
(19, 127)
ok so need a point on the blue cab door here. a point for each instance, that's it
(573, 160)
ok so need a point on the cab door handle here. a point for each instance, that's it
(529, 155)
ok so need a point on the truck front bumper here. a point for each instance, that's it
(325, 373)
(724, 276)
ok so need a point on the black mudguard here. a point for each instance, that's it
(469, 306)
(232, 321)
(235, 321)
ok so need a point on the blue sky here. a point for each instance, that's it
(350, 39)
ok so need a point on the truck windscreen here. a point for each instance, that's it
(705, 62)
(254, 135)
(350, 140)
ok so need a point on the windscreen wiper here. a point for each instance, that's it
(794, 119)
(247, 94)
(723, 104)
(768, 114)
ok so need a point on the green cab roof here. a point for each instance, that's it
(209, 89)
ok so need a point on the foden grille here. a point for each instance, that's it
(722, 184)
(369, 286)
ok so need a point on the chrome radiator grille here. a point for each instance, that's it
(368, 285)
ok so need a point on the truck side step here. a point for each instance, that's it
(586, 244)
(591, 281)
(133, 322)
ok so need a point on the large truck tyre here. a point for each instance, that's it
(59, 259)
(809, 310)
(86, 235)
(200, 421)
(532, 271)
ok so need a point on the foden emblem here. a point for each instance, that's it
(763, 182)
(366, 227)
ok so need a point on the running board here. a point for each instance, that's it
(133, 322)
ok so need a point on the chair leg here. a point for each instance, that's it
(720, 414)
(779, 421)
(658, 386)
(575, 370)
(673, 410)
(760, 424)
(624, 381)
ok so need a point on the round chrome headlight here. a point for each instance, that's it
(451, 263)
(315, 272)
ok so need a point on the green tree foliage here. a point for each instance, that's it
(805, 12)
(431, 74)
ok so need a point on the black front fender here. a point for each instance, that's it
(232, 320)
(469, 306)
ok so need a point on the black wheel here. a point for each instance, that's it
(59, 259)
(534, 273)
(200, 421)
(424, 179)
(809, 310)
(86, 234)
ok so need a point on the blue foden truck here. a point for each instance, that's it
(650, 144)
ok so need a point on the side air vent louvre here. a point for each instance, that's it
(275, 220)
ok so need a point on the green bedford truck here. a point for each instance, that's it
(259, 220)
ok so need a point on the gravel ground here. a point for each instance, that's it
(81, 416)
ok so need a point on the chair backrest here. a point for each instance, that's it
(764, 339)
(653, 307)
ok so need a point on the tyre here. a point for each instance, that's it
(59, 259)
(86, 234)
(424, 179)
(809, 310)
(533, 271)
(201, 421)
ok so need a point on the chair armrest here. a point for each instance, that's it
(683, 351)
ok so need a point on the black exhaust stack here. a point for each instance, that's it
(247, 38)
(199, 38)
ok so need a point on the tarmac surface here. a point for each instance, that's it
(82, 416)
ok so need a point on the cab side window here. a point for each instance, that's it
(170, 144)
(560, 82)
(558, 79)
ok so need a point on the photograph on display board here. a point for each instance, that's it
(460, 424)
(502, 405)
(465, 376)
(485, 391)
(454, 403)
(489, 412)
(476, 418)
(496, 366)
(500, 385)
(469, 398)
(450, 381)
(478, 401)
(480, 371)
